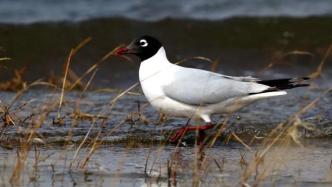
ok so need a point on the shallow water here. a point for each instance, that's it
(121, 120)
(127, 139)
(121, 166)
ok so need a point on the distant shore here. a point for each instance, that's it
(249, 43)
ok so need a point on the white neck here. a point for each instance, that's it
(154, 64)
(160, 56)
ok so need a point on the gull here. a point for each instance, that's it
(194, 93)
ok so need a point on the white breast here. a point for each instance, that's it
(153, 75)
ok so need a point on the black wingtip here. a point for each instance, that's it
(305, 78)
(282, 84)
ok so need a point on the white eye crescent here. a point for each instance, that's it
(143, 43)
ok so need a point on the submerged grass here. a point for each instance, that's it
(256, 164)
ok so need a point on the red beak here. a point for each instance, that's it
(121, 51)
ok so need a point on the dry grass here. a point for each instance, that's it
(71, 54)
(16, 83)
(255, 170)
(5, 59)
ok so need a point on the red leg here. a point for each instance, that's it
(182, 131)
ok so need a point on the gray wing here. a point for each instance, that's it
(200, 87)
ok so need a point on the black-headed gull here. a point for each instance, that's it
(196, 93)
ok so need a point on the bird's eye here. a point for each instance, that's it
(143, 43)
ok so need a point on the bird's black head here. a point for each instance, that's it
(144, 47)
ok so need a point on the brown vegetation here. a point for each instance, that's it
(254, 170)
